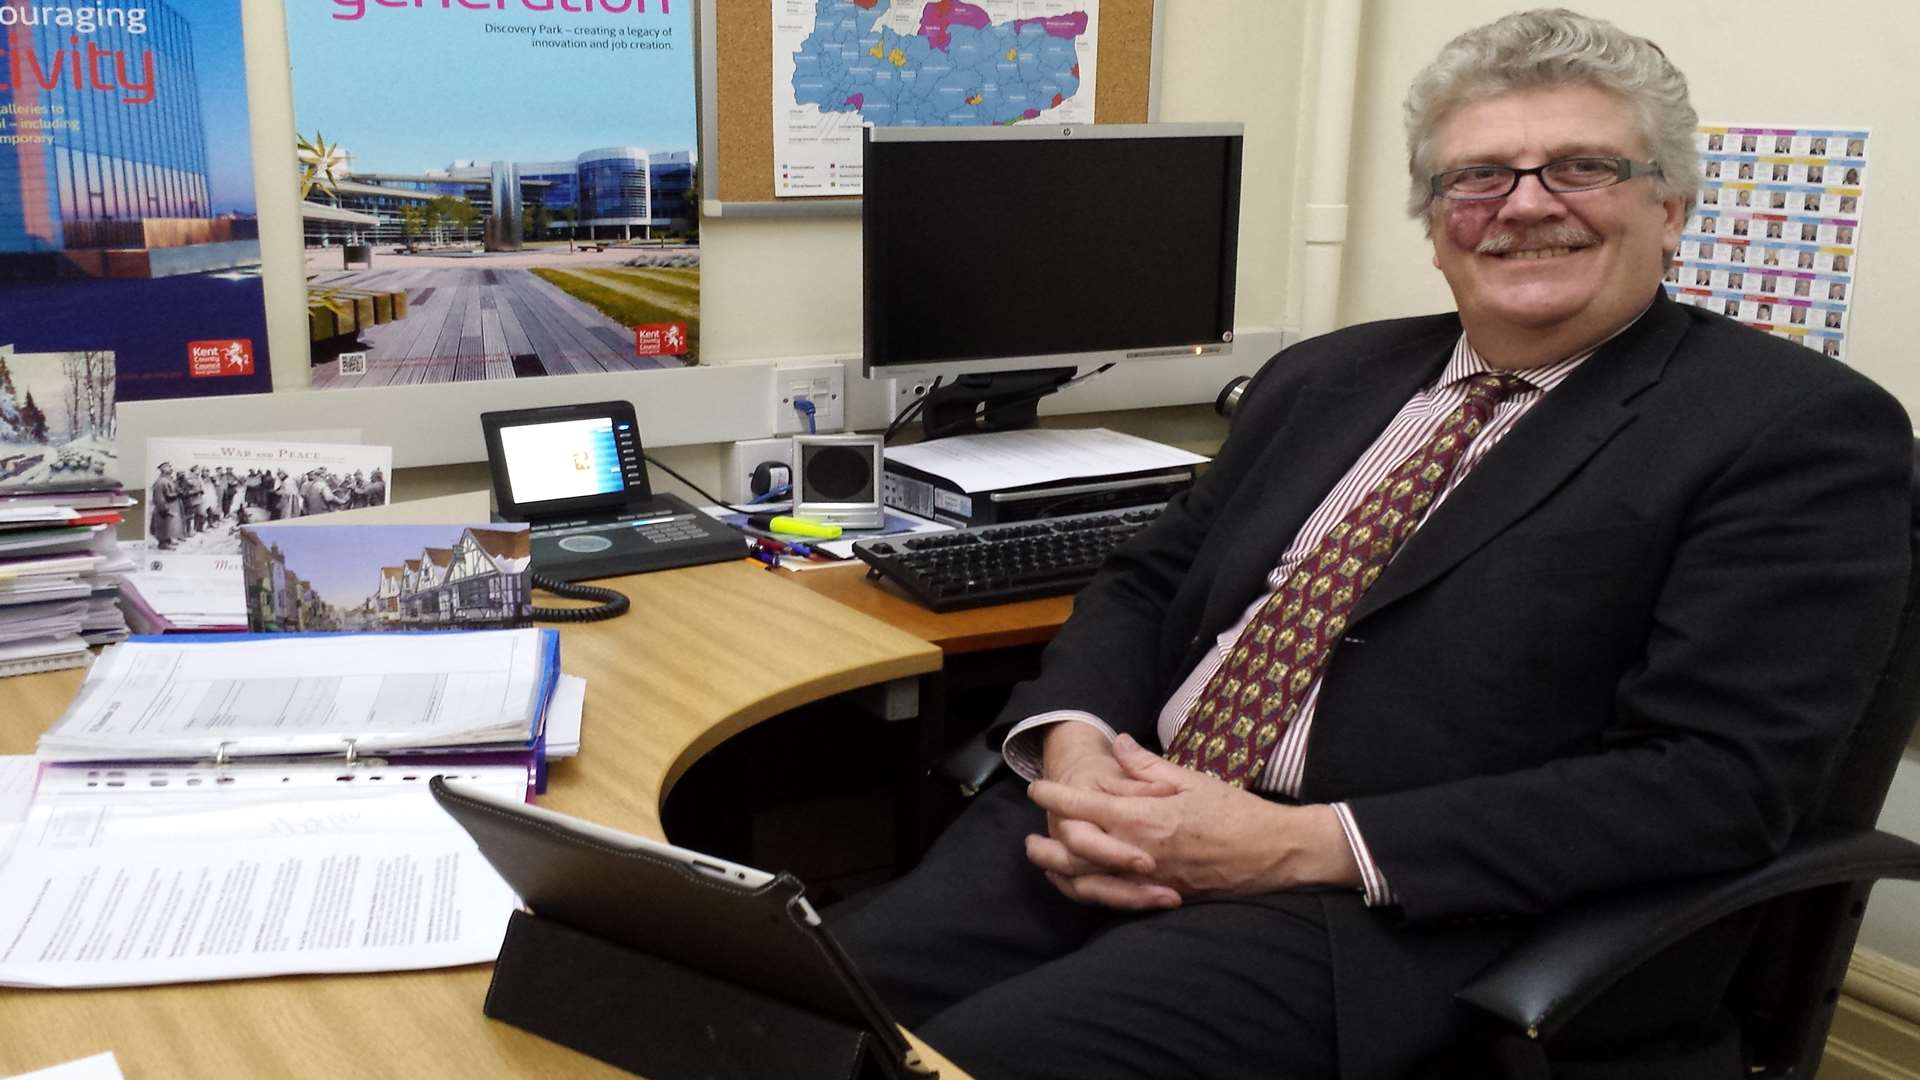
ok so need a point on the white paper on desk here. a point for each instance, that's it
(563, 716)
(1004, 459)
(17, 776)
(320, 880)
(298, 694)
(98, 1067)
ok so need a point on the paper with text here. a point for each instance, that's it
(130, 877)
(303, 694)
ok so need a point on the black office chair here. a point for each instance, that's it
(1661, 959)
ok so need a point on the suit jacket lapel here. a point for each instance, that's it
(1330, 425)
(1541, 451)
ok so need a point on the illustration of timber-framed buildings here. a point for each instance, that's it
(481, 579)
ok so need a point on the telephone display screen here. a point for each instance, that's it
(562, 459)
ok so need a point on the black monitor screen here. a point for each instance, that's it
(1010, 247)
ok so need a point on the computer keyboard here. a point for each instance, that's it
(994, 564)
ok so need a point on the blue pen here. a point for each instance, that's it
(771, 558)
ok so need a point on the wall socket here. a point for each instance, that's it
(743, 457)
(823, 384)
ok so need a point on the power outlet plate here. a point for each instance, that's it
(823, 384)
(743, 457)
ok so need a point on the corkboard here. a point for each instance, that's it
(739, 109)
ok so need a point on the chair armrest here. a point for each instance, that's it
(973, 764)
(1539, 985)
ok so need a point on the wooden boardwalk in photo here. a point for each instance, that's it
(480, 323)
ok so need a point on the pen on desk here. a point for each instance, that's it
(771, 558)
(785, 547)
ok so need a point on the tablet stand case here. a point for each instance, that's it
(649, 965)
(663, 1021)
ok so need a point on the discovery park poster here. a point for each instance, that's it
(496, 189)
(127, 216)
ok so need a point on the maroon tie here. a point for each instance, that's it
(1261, 684)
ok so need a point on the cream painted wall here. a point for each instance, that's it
(1847, 66)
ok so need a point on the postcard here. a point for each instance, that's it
(386, 577)
(201, 491)
(56, 421)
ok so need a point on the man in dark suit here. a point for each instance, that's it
(1574, 589)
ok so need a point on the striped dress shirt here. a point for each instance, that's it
(1415, 423)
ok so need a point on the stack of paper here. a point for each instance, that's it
(59, 504)
(58, 590)
(170, 593)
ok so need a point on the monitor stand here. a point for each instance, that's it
(998, 401)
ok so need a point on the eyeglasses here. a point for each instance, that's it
(1479, 182)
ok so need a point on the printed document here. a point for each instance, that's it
(135, 876)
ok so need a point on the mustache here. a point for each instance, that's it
(1545, 236)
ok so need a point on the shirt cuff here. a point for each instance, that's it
(1372, 882)
(1025, 746)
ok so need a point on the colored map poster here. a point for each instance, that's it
(842, 64)
(127, 216)
(496, 190)
(1774, 241)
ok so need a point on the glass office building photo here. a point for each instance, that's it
(529, 206)
(127, 210)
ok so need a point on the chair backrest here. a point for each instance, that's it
(1789, 980)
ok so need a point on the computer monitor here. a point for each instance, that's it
(1001, 259)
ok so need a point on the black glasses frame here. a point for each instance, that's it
(1624, 169)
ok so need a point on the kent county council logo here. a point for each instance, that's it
(219, 359)
(660, 339)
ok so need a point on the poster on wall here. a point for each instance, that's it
(1774, 241)
(528, 206)
(128, 224)
(839, 65)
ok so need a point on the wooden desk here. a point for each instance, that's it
(1029, 622)
(664, 686)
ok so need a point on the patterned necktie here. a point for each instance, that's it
(1259, 687)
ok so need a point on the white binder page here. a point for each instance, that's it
(147, 699)
(138, 884)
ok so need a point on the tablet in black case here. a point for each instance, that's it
(668, 962)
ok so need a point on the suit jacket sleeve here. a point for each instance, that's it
(1769, 626)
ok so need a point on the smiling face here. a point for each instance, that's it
(1536, 275)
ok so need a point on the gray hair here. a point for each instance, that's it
(1547, 48)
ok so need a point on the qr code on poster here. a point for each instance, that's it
(353, 363)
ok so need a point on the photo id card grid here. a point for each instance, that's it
(1774, 239)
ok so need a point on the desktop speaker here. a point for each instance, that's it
(836, 478)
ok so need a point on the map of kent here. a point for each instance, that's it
(958, 68)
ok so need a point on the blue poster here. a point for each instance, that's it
(127, 217)
(496, 188)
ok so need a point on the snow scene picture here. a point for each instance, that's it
(56, 421)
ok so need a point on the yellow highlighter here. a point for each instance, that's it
(793, 526)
